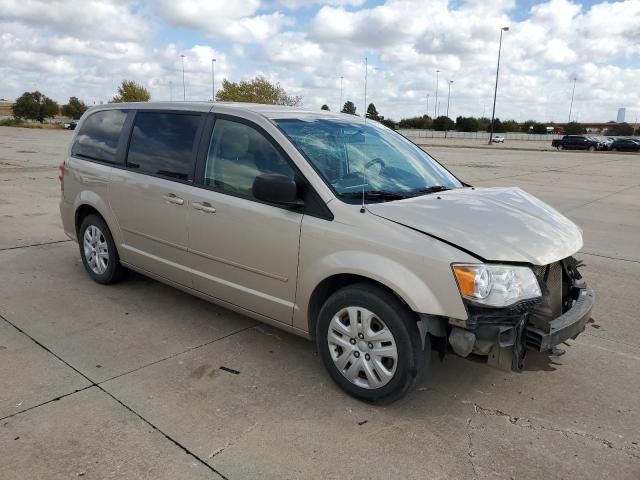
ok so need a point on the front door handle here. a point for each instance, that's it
(204, 207)
(173, 199)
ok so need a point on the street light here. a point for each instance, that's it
(340, 104)
(495, 92)
(435, 106)
(446, 128)
(428, 103)
(184, 90)
(572, 93)
(213, 79)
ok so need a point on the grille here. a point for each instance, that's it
(550, 307)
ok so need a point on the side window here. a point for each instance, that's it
(99, 135)
(238, 154)
(164, 144)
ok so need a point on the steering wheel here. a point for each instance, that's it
(372, 162)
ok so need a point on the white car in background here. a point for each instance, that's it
(497, 139)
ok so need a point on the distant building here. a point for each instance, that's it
(5, 108)
(621, 114)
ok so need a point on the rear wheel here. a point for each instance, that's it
(560, 147)
(592, 148)
(370, 344)
(98, 251)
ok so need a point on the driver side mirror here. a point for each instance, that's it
(276, 188)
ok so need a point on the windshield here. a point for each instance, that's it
(349, 155)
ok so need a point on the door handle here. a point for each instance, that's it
(173, 199)
(204, 207)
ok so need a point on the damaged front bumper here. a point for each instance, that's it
(504, 334)
(567, 326)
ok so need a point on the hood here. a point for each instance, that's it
(497, 224)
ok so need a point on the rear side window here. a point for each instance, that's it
(99, 135)
(164, 144)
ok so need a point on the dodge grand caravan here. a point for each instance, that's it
(325, 225)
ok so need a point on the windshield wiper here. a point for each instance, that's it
(428, 190)
(375, 194)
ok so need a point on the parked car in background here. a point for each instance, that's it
(70, 125)
(497, 139)
(625, 145)
(328, 227)
(578, 142)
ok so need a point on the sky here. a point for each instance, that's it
(86, 48)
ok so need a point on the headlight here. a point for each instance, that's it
(496, 285)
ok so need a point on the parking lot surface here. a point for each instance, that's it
(125, 381)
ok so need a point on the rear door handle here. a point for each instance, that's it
(204, 207)
(173, 199)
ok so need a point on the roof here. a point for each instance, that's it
(267, 111)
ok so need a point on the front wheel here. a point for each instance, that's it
(592, 148)
(370, 344)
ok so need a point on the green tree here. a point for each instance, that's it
(372, 112)
(511, 126)
(497, 126)
(443, 123)
(467, 124)
(387, 122)
(527, 126)
(74, 109)
(622, 129)
(574, 128)
(539, 128)
(423, 123)
(349, 107)
(325, 107)
(34, 106)
(130, 91)
(258, 90)
(483, 124)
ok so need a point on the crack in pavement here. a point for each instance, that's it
(528, 423)
(232, 442)
(53, 242)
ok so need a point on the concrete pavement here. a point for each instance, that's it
(125, 381)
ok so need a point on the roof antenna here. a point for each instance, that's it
(364, 183)
(366, 71)
(364, 168)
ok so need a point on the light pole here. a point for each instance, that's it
(340, 104)
(435, 106)
(213, 79)
(428, 104)
(495, 92)
(446, 128)
(572, 93)
(170, 91)
(184, 90)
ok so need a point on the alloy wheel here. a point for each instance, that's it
(96, 250)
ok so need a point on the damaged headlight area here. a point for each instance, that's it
(496, 285)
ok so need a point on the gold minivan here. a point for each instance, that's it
(326, 225)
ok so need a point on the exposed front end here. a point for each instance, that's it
(558, 312)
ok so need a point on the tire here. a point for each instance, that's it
(592, 148)
(370, 374)
(98, 251)
(614, 149)
(560, 147)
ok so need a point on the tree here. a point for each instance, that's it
(483, 124)
(349, 107)
(443, 123)
(527, 126)
(74, 109)
(539, 128)
(467, 124)
(34, 106)
(511, 126)
(574, 128)
(325, 107)
(387, 122)
(130, 91)
(497, 126)
(622, 129)
(423, 123)
(372, 113)
(258, 90)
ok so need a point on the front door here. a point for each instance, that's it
(150, 197)
(246, 251)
